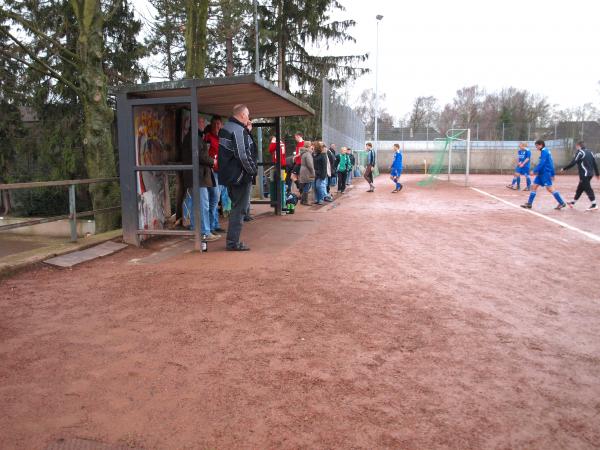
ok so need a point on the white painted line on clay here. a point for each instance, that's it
(587, 234)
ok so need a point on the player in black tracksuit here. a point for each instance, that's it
(586, 163)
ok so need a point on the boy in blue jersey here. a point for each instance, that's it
(544, 172)
(523, 168)
(396, 169)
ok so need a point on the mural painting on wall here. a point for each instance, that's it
(154, 143)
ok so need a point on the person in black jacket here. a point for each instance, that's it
(206, 179)
(332, 180)
(320, 163)
(586, 164)
(237, 167)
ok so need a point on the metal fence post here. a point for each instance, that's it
(72, 213)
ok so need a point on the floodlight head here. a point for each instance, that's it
(379, 17)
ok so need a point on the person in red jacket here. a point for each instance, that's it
(272, 146)
(299, 142)
(211, 135)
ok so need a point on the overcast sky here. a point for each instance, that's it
(434, 47)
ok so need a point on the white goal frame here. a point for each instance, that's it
(450, 132)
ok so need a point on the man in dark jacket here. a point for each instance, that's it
(371, 162)
(332, 158)
(237, 167)
(586, 164)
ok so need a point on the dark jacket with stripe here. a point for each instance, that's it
(237, 163)
(586, 163)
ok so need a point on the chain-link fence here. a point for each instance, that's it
(493, 147)
(341, 125)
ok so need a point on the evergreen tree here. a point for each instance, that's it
(63, 47)
(166, 39)
(290, 26)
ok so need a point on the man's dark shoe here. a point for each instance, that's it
(526, 205)
(241, 247)
(220, 230)
(248, 218)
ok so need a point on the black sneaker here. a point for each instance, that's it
(561, 206)
(593, 207)
(526, 205)
(240, 247)
(571, 204)
(510, 186)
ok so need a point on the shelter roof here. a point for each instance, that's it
(220, 95)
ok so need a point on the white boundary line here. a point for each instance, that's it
(587, 234)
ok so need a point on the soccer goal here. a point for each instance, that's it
(451, 158)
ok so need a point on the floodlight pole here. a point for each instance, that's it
(378, 17)
(468, 165)
(261, 168)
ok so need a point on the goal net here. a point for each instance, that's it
(451, 158)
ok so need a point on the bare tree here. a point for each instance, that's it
(424, 112)
(365, 108)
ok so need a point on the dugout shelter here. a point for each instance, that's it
(152, 119)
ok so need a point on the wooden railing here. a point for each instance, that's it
(73, 214)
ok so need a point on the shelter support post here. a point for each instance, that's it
(277, 174)
(72, 213)
(128, 175)
(196, 199)
(261, 168)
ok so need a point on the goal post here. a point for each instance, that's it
(452, 155)
(463, 150)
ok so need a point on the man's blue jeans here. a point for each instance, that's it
(320, 189)
(209, 214)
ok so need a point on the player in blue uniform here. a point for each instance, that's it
(396, 169)
(544, 172)
(523, 168)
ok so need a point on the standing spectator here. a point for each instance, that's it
(352, 162)
(343, 166)
(289, 170)
(332, 180)
(237, 166)
(307, 172)
(370, 166)
(205, 180)
(211, 136)
(321, 163)
(273, 153)
(586, 164)
(254, 150)
(183, 179)
(299, 137)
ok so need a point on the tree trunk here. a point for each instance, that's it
(97, 115)
(5, 202)
(195, 37)
(169, 45)
(281, 60)
(229, 56)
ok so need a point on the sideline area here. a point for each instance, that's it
(432, 318)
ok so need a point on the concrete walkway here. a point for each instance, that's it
(18, 252)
